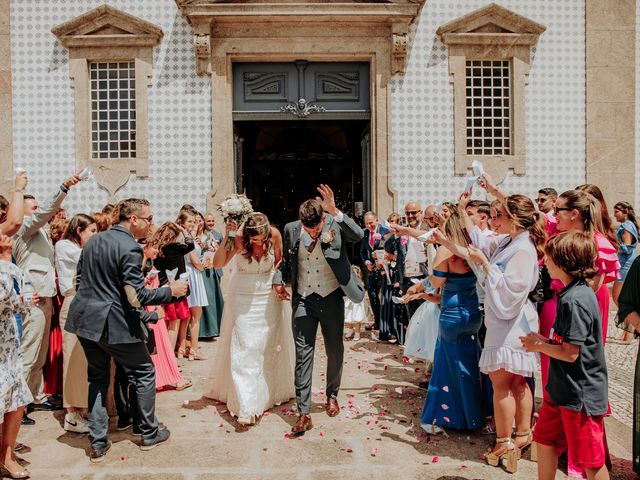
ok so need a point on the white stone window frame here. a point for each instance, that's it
(488, 34)
(106, 34)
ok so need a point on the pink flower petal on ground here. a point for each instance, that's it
(374, 452)
(265, 414)
(349, 450)
(434, 460)
(287, 435)
(221, 424)
(322, 434)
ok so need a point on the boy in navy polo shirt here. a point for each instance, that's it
(577, 386)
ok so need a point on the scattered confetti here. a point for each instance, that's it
(374, 452)
(434, 460)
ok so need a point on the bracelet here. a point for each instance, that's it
(485, 267)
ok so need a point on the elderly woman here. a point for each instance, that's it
(14, 392)
(629, 312)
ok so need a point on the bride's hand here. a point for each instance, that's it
(231, 227)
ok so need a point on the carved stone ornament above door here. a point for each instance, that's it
(209, 18)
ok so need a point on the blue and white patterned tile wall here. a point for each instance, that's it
(422, 104)
(179, 107)
(180, 115)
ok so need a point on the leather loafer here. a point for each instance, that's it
(303, 424)
(45, 406)
(26, 420)
(96, 456)
(332, 407)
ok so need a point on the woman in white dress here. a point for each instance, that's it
(254, 367)
(197, 294)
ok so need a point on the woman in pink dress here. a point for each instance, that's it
(167, 374)
(578, 210)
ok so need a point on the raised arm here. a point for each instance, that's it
(15, 210)
(224, 256)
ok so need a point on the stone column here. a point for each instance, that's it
(6, 122)
(610, 98)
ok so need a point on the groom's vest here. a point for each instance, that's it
(314, 273)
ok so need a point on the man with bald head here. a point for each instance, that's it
(430, 217)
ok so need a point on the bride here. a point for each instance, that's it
(253, 370)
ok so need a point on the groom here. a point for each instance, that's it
(315, 260)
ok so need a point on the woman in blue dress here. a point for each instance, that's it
(627, 234)
(454, 394)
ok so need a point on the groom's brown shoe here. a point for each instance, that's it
(303, 424)
(332, 407)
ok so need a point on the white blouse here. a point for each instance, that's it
(509, 314)
(66, 260)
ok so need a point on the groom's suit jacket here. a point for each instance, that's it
(334, 251)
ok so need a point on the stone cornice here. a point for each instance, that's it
(106, 26)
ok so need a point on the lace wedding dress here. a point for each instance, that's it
(253, 370)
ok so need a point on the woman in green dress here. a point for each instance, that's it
(629, 312)
(211, 314)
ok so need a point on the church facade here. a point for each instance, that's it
(186, 101)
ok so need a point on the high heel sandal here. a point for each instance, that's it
(509, 453)
(183, 353)
(527, 444)
(196, 354)
(5, 472)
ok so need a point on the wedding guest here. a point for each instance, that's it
(102, 220)
(393, 314)
(510, 262)
(629, 314)
(355, 314)
(168, 375)
(546, 200)
(454, 394)
(372, 241)
(411, 257)
(14, 391)
(75, 386)
(105, 314)
(627, 234)
(573, 412)
(34, 255)
(429, 218)
(212, 313)
(173, 245)
(606, 225)
(197, 297)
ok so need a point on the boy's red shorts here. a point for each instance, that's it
(559, 427)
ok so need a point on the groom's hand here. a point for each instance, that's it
(281, 292)
(328, 199)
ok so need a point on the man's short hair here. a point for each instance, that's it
(311, 213)
(481, 206)
(126, 208)
(370, 214)
(549, 192)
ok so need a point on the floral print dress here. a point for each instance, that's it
(14, 392)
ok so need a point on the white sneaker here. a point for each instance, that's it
(356, 336)
(74, 422)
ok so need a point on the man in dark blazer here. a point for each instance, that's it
(106, 316)
(315, 261)
(374, 235)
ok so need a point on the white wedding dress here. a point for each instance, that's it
(253, 370)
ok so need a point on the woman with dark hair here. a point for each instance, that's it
(253, 370)
(627, 234)
(509, 262)
(606, 225)
(75, 386)
(212, 313)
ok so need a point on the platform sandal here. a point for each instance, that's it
(527, 444)
(508, 452)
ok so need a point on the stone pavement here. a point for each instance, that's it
(374, 437)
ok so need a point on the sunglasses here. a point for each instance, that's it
(412, 212)
(561, 209)
(148, 219)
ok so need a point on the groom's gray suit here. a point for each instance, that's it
(320, 276)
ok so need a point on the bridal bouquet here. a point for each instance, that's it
(236, 207)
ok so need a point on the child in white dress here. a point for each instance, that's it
(355, 314)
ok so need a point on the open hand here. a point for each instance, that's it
(328, 199)
(463, 201)
(72, 180)
(21, 181)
